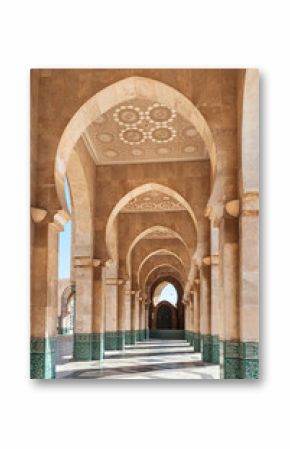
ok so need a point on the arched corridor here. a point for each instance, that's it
(162, 169)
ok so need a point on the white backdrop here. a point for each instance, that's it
(144, 34)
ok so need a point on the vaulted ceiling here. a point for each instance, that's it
(141, 131)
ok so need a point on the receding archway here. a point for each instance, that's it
(133, 194)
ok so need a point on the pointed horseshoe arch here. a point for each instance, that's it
(119, 92)
(134, 193)
(157, 253)
(143, 234)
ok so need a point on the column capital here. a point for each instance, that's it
(196, 284)
(211, 260)
(114, 281)
(214, 213)
(206, 261)
(130, 292)
(232, 208)
(87, 261)
(250, 204)
(38, 215)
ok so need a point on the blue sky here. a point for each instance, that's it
(64, 240)
(169, 294)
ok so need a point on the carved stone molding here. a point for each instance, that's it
(153, 202)
(113, 281)
(232, 208)
(250, 204)
(206, 261)
(38, 215)
(211, 260)
(86, 261)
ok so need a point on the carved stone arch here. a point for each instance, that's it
(82, 202)
(164, 270)
(156, 253)
(110, 235)
(115, 94)
(153, 229)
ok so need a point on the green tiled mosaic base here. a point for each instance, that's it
(196, 342)
(241, 360)
(138, 335)
(83, 346)
(249, 355)
(111, 339)
(170, 334)
(128, 337)
(98, 346)
(133, 337)
(121, 340)
(42, 358)
(231, 360)
(189, 337)
(142, 335)
(215, 349)
(249, 369)
(206, 348)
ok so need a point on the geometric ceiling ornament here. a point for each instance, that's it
(140, 131)
(160, 234)
(153, 201)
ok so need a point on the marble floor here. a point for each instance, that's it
(152, 359)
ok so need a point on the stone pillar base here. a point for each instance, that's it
(121, 340)
(98, 346)
(196, 342)
(142, 335)
(133, 337)
(241, 360)
(82, 346)
(249, 356)
(127, 337)
(191, 338)
(42, 358)
(111, 339)
(215, 349)
(206, 348)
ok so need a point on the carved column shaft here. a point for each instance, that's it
(44, 292)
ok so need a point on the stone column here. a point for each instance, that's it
(196, 315)
(191, 317)
(205, 311)
(98, 330)
(249, 286)
(127, 300)
(141, 318)
(137, 316)
(44, 282)
(147, 311)
(215, 341)
(84, 277)
(230, 271)
(111, 297)
(186, 317)
(133, 317)
(121, 315)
